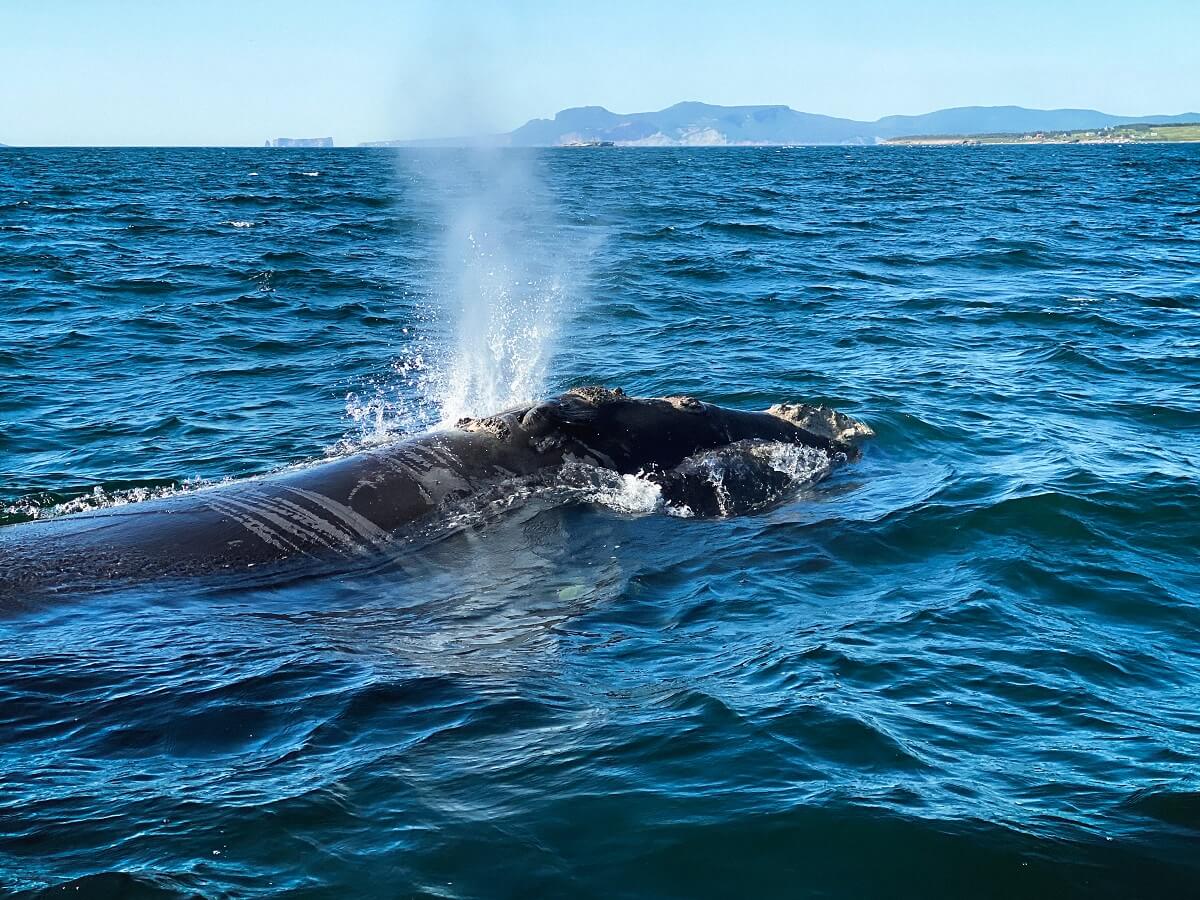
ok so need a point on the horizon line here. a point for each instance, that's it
(382, 142)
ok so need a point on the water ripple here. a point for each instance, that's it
(964, 666)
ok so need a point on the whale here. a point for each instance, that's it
(367, 506)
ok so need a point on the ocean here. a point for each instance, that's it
(967, 665)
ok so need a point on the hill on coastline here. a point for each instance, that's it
(693, 124)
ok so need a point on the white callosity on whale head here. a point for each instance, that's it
(823, 421)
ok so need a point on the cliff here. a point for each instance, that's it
(301, 142)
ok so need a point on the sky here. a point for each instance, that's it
(107, 72)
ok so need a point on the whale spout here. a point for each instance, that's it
(823, 421)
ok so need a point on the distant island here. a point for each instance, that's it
(301, 142)
(705, 125)
(1147, 133)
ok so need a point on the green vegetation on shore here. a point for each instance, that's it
(1117, 134)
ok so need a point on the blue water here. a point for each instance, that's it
(968, 665)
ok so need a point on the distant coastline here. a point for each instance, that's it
(707, 125)
(1147, 133)
(693, 124)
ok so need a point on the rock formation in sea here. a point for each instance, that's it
(301, 142)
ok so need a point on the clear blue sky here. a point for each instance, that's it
(217, 72)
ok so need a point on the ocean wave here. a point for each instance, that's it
(745, 229)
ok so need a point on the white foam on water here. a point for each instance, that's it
(236, 223)
(35, 506)
(97, 499)
(632, 494)
(587, 483)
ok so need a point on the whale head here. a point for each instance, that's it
(640, 434)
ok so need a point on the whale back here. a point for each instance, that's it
(359, 507)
